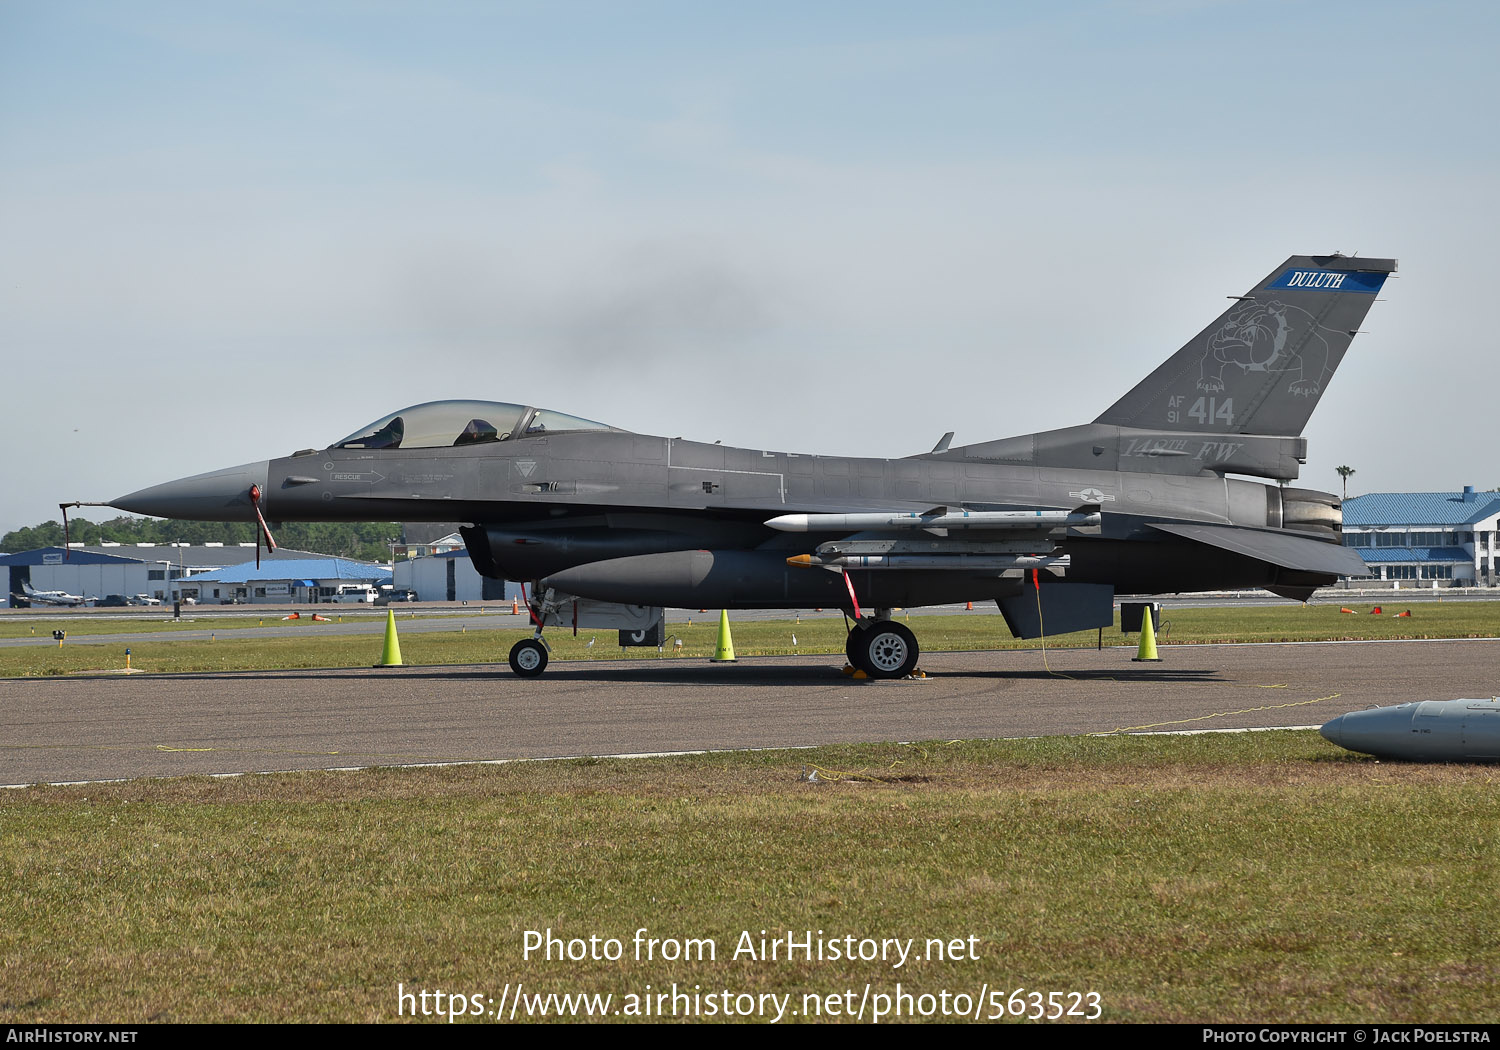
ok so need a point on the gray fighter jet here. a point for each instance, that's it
(608, 527)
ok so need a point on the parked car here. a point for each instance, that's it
(402, 595)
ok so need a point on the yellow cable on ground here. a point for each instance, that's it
(1036, 585)
(840, 774)
(1058, 674)
(1220, 714)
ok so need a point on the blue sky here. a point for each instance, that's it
(228, 231)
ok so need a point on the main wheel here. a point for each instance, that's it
(851, 648)
(884, 649)
(528, 658)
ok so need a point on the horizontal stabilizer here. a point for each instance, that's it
(1284, 549)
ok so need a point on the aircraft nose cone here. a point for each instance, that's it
(219, 495)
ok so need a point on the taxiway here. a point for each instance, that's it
(74, 729)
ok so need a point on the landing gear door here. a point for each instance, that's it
(646, 636)
(1062, 609)
(565, 612)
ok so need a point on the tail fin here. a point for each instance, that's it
(1261, 367)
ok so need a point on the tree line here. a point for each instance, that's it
(363, 541)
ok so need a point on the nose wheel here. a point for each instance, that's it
(528, 657)
(882, 649)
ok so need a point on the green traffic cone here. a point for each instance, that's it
(391, 656)
(724, 651)
(1147, 651)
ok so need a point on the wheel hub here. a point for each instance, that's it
(887, 651)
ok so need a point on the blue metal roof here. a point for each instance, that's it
(57, 556)
(294, 569)
(1392, 555)
(1420, 508)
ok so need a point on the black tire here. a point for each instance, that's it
(884, 649)
(851, 648)
(528, 658)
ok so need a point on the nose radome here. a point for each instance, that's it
(219, 495)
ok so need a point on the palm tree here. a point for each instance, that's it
(1346, 473)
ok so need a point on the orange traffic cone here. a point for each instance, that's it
(1404, 612)
(1346, 609)
(1375, 611)
(515, 606)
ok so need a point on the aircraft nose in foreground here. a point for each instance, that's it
(219, 495)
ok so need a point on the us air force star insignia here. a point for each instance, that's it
(525, 466)
(1091, 495)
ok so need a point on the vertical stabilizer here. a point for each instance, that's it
(1261, 367)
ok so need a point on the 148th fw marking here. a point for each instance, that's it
(790, 946)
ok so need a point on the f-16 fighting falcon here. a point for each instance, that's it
(609, 527)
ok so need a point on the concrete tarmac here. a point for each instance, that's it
(70, 729)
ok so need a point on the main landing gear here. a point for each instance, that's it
(882, 648)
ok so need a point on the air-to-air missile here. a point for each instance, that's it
(1424, 731)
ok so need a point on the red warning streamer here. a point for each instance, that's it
(264, 528)
(850, 584)
(532, 612)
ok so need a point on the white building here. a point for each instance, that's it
(449, 576)
(1427, 538)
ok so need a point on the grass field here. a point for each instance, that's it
(1260, 877)
(476, 639)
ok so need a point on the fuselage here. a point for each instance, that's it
(546, 504)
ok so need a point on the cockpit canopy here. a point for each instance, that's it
(439, 424)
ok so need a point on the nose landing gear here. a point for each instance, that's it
(528, 657)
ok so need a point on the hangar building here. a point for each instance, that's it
(309, 579)
(1425, 539)
(165, 571)
(441, 571)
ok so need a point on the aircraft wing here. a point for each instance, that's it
(1286, 549)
